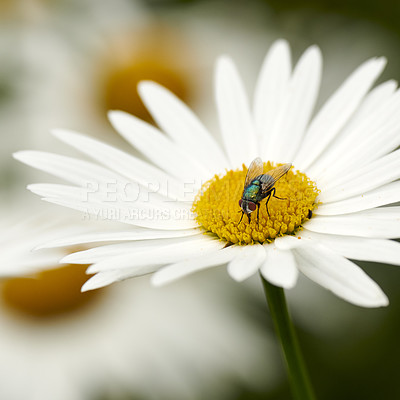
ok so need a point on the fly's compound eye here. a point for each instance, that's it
(240, 202)
(252, 206)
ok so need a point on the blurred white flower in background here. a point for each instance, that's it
(190, 340)
(67, 62)
(78, 60)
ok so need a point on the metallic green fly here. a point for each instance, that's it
(258, 186)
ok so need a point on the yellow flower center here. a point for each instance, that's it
(48, 294)
(217, 207)
(156, 53)
(120, 89)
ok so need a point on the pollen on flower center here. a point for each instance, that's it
(217, 207)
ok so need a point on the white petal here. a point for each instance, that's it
(287, 242)
(379, 95)
(378, 224)
(131, 235)
(161, 255)
(247, 262)
(108, 277)
(271, 87)
(20, 265)
(192, 264)
(340, 276)
(280, 267)
(180, 123)
(356, 248)
(72, 170)
(388, 213)
(363, 141)
(117, 196)
(100, 280)
(57, 190)
(123, 163)
(296, 110)
(386, 194)
(362, 180)
(371, 105)
(234, 114)
(382, 136)
(142, 214)
(100, 253)
(377, 140)
(157, 147)
(127, 215)
(337, 110)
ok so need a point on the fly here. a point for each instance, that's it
(258, 186)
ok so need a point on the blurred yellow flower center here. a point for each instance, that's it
(49, 293)
(217, 207)
(120, 87)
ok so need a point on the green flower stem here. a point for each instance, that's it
(298, 375)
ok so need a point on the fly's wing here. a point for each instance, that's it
(278, 172)
(255, 169)
(268, 179)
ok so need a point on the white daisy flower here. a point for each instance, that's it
(58, 343)
(345, 168)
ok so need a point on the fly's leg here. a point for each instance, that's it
(266, 204)
(241, 218)
(248, 216)
(258, 214)
(273, 194)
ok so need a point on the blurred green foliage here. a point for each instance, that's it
(359, 360)
(384, 12)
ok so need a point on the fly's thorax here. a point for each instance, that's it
(217, 207)
(252, 192)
